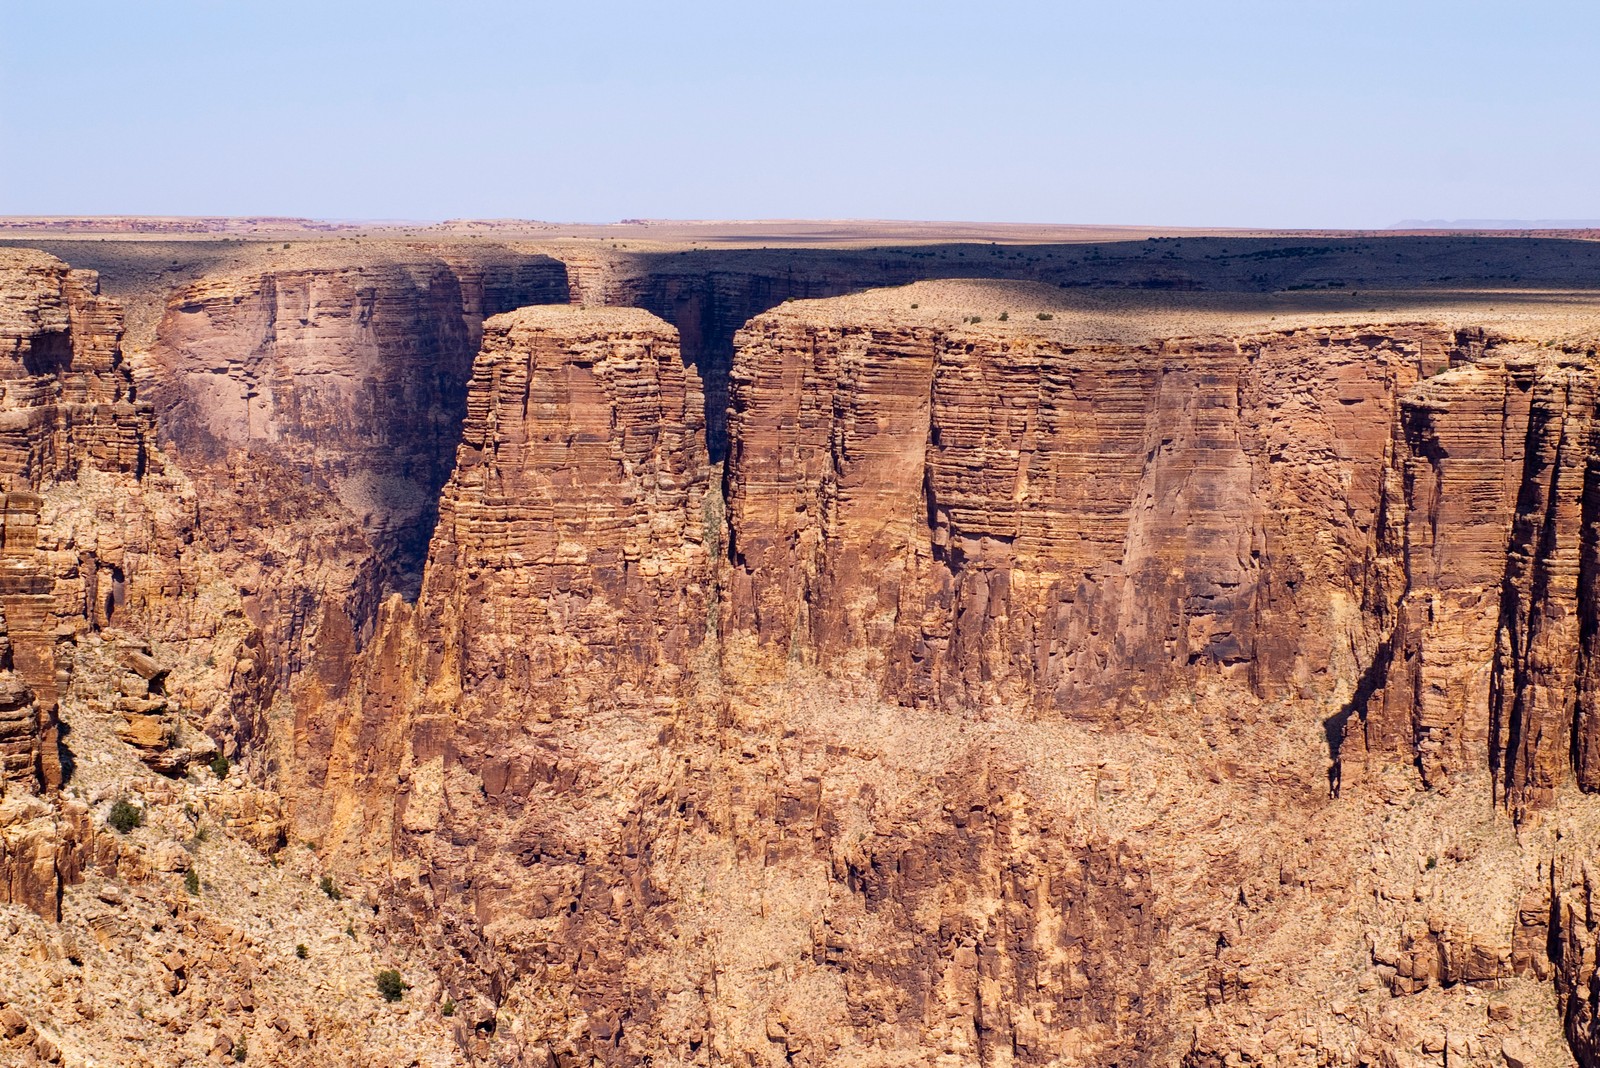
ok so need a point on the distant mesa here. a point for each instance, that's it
(1497, 224)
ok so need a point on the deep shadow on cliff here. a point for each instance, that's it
(709, 293)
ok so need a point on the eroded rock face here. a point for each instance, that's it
(69, 400)
(351, 378)
(987, 725)
(1019, 521)
(570, 774)
(67, 404)
(318, 411)
(19, 733)
(1490, 659)
(568, 577)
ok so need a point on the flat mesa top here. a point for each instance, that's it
(572, 319)
(1137, 315)
(654, 232)
(1098, 283)
(26, 259)
(674, 234)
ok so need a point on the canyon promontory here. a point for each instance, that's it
(636, 646)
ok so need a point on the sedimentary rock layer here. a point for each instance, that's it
(67, 405)
(1490, 658)
(1016, 518)
(977, 713)
(568, 770)
(318, 407)
(68, 397)
(568, 576)
(350, 377)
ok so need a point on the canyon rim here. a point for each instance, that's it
(785, 644)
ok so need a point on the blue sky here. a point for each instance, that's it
(1286, 113)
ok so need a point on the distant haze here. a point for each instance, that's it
(1253, 113)
(1496, 224)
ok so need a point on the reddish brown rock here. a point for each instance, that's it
(1450, 502)
(1490, 661)
(569, 576)
(67, 404)
(995, 736)
(28, 849)
(1019, 518)
(20, 736)
(317, 407)
(69, 399)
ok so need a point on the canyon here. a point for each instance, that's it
(789, 648)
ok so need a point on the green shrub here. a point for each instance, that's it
(1004, 316)
(1045, 315)
(238, 1051)
(448, 1008)
(301, 951)
(329, 889)
(125, 816)
(220, 766)
(391, 986)
(191, 881)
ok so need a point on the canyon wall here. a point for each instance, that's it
(709, 293)
(1489, 660)
(1094, 686)
(994, 517)
(653, 795)
(317, 408)
(615, 849)
(67, 405)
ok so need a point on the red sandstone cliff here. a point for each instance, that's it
(932, 529)
(66, 405)
(980, 712)
(1013, 517)
(317, 409)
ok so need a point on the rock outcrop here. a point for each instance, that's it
(317, 408)
(69, 400)
(962, 690)
(1013, 517)
(607, 753)
(1490, 661)
(569, 575)
(566, 637)
(68, 403)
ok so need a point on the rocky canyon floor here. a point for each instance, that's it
(797, 644)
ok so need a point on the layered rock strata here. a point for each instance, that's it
(317, 409)
(69, 400)
(985, 725)
(655, 781)
(67, 405)
(349, 377)
(709, 293)
(569, 773)
(1489, 663)
(1020, 519)
(568, 576)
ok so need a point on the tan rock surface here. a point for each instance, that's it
(980, 710)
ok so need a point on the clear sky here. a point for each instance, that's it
(1231, 112)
